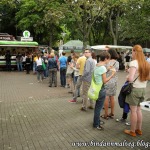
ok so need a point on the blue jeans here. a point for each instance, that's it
(98, 107)
(19, 66)
(34, 67)
(40, 75)
(77, 87)
(63, 76)
(75, 82)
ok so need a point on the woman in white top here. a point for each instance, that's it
(39, 68)
(140, 68)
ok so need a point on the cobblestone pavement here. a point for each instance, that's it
(34, 116)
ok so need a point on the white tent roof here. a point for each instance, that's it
(102, 47)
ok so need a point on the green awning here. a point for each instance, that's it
(18, 44)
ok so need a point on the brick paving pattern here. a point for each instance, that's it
(34, 116)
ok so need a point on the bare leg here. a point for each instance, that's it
(139, 118)
(112, 102)
(106, 103)
(133, 118)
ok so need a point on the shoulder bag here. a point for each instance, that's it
(94, 89)
(127, 88)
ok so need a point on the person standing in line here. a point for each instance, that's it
(39, 68)
(24, 61)
(52, 67)
(8, 61)
(63, 67)
(79, 65)
(27, 64)
(19, 60)
(148, 58)
(34, 63)
(69, 72)
(107, 48)
(75, 74)
(100, 77)
(94, 57)
(86, 78)
(127, 61)
(140, 69)
(111, 85)
(45, 59)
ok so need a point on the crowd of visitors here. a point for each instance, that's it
(76, 74)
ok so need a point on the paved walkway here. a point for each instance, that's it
(36, 117)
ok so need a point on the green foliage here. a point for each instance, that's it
(135, 24)
(92, 21)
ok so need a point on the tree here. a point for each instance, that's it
(42, 21)
(85, 14)
(135, 24)
(8, 10)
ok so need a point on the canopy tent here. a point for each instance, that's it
(73, 44)
(18, 44)
(102, 47)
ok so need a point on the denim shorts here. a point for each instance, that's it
(135, 97)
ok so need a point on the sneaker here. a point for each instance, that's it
(72, 101)
(99, 128)
(67, 86)
(83, 109)
(102, 122)
(121, 120)
(127, 124)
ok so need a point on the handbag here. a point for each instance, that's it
(94, 89)
(43, 66)
(127, 88)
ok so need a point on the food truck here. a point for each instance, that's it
(8, 43)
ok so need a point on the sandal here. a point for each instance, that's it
(111, 115)
(105, 117)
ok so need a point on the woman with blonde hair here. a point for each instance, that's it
(39, 68)
(140, 69)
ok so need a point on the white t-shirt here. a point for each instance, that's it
(148, 59)
(137, 83)
(39, 61)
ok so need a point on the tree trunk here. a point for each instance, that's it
(50, 40)
(114, 33)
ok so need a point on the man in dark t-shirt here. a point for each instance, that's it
(8, 61)
(127, 60)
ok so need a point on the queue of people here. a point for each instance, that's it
(105, 71)
(76, 73)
